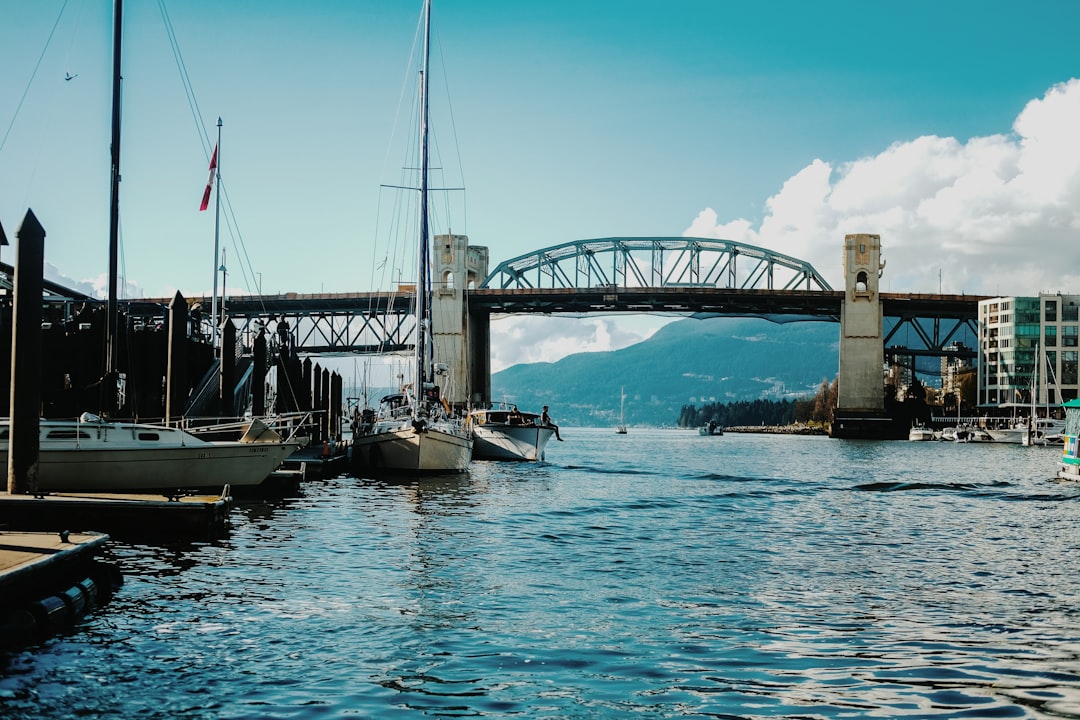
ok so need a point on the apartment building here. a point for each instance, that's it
(1016, 334)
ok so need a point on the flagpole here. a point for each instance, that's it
(217, 219)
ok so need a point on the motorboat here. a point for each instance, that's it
(712, 428)
(1070, 454)
(920, 433)
(89, 454)
(502, 432)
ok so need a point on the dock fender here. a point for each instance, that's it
(18, 629)
(52, 616)
(75, 599)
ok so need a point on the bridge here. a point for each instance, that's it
(694, 277)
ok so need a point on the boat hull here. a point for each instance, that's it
(506, 442)
(184, 468)
(126, 457)
(405, 450)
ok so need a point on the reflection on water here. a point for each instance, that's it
(662, 574)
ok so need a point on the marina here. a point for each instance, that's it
(203, 522)
(662, 579)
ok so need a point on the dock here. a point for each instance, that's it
(49, 581)
(133, 515)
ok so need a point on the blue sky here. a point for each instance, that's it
(947, 127)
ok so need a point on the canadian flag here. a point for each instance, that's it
(210, 182)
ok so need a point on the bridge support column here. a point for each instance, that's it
(480, 357)
(860, 411)
(458, 267)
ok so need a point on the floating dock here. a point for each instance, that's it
(49, 581)
(127, 515)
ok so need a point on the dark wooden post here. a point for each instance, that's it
(176, 380)
(335, 403)
(227, 389)
(304, 391)
(258, 380)
(25, 409)
(324, 398)
(316, 403)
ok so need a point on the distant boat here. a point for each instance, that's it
(620, 429)
(711, 429)
(415, 430)
(501, 432)
(94, 455)
(920, 433)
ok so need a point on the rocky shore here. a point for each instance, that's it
(778, 429)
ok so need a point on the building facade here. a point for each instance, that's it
(1018, 335)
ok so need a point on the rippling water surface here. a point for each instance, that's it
(658, 574)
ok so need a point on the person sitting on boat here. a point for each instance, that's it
(545, 421)
(515, 417)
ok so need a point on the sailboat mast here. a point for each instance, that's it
(423, 279)
(111, 325)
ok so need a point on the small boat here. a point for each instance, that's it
(620, 429)
(921, 433)
(502, 432)
(711, 429)
(415, 430)
(1046, 431)
(1070, 454)
(89, 454)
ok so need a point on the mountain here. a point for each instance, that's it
(686, 362)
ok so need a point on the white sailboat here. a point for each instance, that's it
(415, 430)
(620, 429)
(91, 454)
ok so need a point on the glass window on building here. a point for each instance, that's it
(1068, 336)
(1070, 312)
(1068, 367)
(1050, 336)
(1050, 311)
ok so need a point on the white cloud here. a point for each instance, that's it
(995, 214)
(530, 339)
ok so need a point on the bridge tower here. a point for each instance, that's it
(860, 411)
(458, 267)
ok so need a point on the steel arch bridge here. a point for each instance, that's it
(625, 262)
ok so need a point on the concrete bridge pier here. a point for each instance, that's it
(459, 268)
(860, 411)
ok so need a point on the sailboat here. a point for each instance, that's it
(92, 454)
(415, 430)
(620, 429)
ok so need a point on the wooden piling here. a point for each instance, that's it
(25, 407)
(176, 383)
(258, 382)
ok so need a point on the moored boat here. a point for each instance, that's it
(415, 431)
(1070, 454)
(89, 454)
(502, 432)
(920, 433)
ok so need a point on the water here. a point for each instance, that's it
(657, 574)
